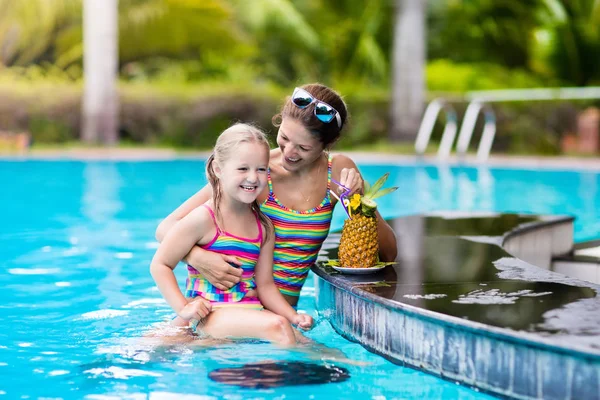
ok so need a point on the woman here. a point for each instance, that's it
(297, 198)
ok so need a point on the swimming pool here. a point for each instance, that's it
(77, 239)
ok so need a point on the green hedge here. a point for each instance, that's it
(192, 117)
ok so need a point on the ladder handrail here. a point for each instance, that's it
(468, 126)
(427, 124)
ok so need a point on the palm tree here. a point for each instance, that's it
(575, 39)
(29, 29)
(408, 69)
(100, 97)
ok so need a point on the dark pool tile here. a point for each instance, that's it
(395, 337)
(368, 321)
(525, 375)
(453, 346)
(458, 360)
(585, 383)
(482, 359)
(555, 374)
(501, 365)
(466, 365)
(414, 340)
(433, 346)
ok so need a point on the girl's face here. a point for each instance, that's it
(244, 175)
(299, 148)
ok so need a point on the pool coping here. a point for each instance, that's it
(477, 327)
(548, 220)
(159, 154)
(501, 361)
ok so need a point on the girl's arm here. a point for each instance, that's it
(270, 297)
(213, 266)
(350, 177)
(193, 228)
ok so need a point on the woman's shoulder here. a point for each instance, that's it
(339, 162)
(274, 155)
(275, 163)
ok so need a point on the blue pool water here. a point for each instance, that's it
(76, 242)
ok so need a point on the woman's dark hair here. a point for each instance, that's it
(327, 133)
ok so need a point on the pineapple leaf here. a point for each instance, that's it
(377, 185)
(383, 192)
(367, 187)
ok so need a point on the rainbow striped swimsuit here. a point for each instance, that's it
(298, 237)
(247, 251)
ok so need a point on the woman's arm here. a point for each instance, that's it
(349, 176)
(176, 244)
(199, 198)
(213, 266)
(388, 247)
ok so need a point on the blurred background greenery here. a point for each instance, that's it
(189, 68)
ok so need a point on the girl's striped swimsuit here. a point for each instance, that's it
(298, 237)
(247, 251)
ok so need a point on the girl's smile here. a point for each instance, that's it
(244, 176)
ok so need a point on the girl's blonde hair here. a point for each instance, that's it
(224, 149)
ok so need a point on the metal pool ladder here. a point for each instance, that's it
(466, 129)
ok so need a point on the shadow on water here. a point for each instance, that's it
(229, 362)
(265, 375)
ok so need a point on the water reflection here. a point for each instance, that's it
(103, 232)
(453, 265)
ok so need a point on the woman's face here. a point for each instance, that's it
(299, 148)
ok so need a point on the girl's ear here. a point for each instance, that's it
(216, 169)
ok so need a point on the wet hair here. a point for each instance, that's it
(326, 133)
(225, 148)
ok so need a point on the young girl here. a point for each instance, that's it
(230, 223)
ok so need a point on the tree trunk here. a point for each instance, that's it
(408, 69)
(100, 60)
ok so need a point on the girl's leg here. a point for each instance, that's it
(231, 322)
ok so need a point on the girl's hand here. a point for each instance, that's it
(304, 321)
(350, 177)
(216, 268)
(197, 308)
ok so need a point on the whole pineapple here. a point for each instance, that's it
(359, 244)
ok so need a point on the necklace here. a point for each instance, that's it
(306, 199)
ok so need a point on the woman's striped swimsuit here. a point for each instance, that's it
(298, 237)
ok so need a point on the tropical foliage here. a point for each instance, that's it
(337, 41)
(203, 58)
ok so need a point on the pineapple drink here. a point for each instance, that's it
(359, 244)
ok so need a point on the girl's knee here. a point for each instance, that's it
(281, 330)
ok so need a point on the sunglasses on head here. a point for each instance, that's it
(323, 111)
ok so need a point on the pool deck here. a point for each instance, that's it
(158, 154)
(459, 305)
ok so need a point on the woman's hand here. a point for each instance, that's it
(197, 308)
(217, 268)
(303, 321)
(350, 177)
